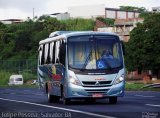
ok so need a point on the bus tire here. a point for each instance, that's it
(112, 100)
(52, 98)
(66, 101)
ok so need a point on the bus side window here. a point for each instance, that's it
(57, 52)
(39, 54)
(62, 53)
(53, 52)
(48, 55)
(43, 55)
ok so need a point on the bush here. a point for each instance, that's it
(4, 77)
(28, 76)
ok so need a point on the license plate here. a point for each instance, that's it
(97, 95)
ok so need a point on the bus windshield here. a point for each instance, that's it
(94, 52)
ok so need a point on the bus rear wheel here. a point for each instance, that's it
(52, 98)
(113, 100)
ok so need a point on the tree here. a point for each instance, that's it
(20, 41)
(52, 24)
(143, 48)
(78, 24)
(145, 15)
(107, 21)
(131, 8)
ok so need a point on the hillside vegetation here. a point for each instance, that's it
(19, 44)
(20, 41)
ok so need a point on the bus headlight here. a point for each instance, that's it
(74, 81)
(119, 80)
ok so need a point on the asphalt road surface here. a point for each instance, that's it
(32, 103)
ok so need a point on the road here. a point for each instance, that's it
(31, 102)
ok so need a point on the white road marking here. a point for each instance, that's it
(153, 105)
(145, 96)
(26, 90)
(39, 94)
(12, 93)
(61, 108)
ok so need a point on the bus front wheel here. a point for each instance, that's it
(66, 101)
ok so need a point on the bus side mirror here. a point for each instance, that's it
(123, 48)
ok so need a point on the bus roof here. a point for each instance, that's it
(58, 35)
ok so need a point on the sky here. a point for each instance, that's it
(22, 9)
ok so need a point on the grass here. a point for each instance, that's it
(139, 87)
(128, 87)
(133, 86)
(4, 77)
(20, 86)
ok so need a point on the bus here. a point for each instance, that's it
(86, 65)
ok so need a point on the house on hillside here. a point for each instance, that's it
(121, 14)
(11, 21)
(87, 11)
(61, 16)
(156, 9)
(125, 20)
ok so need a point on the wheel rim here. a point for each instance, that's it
(48, 95)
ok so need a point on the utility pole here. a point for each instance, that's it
(33, 13)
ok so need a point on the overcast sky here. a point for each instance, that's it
(22, 9)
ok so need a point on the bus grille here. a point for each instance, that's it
(96, 83)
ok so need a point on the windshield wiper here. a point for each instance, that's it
(86, 61)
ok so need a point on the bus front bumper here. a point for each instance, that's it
(75, 91)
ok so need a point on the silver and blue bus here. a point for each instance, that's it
(85, 65)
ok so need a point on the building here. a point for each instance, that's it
(123, 27)
(120, 14)
(93, 11)
(11, 21)
(61, 16)
(156, 9)
(125, 20)
(87, 11)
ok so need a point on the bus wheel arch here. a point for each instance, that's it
(66, 101)
(51, 98)
(46, 88)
